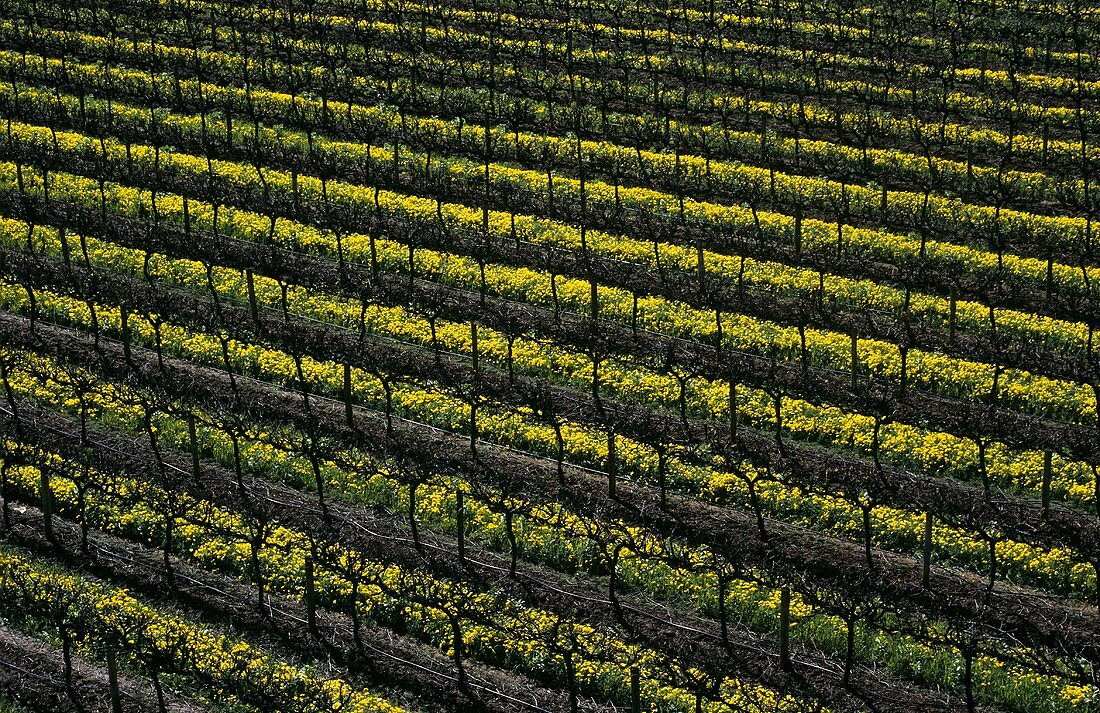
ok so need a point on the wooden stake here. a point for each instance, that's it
(46, 497)
(927, 547)
(952, 317)
(192, 434)
(797, 229)
(311, 597)
(252, 295)
(460, 524)
(348, 412)
(700, 265)
(124, 318)
(571, 674)
(612, 464)
(1048, 475)
(855, 361)
(112, 679)
(473, 345)
(785, 629)
(635, 690)
(733, 410)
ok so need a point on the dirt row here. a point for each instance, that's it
(678, 71)
(684, 635)
(968, 232)
(414, 674)
(808, 561)
(533, 17)
(1001, 291)
(804, 466)
(655, 133)
(965, 417)
(32, 674)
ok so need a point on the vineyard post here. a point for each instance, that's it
(804, 353)
(596, 381)
(571, 677)
(875, 441)
(460, 524)
(993, 539)
(432, 317)
(251, 284)
(733, 410)
(310, 595)
(5, 501)
(341, 260)
(778, 404)
(700, 266)
(124, 319)
(662, 468)
(1050, 274)
(968, 677)
(296, 193)
(193, 439)
(473, 396)
(634, 314)
(594, 298)
(866, 504)
(582, 192)
(982, 469)
(657, 261)
(373, 246)
(47, 502)
(635, 690)
(511, 336)
(927, 550)
(951, 319)
(228, 125)
(9, 394)
(413, 528)
(66, 251)
(559, 441)
(549, 188)
(348, 411)
(797, 228)
(554, 294)
(855, 360)
(785, 629)
(720, 571)
(112, 680)
(1096, 496)
(840, 235)
(903, 378)
(612, 464)
(1048, 473)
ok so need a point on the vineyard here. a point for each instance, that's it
(532, 356)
